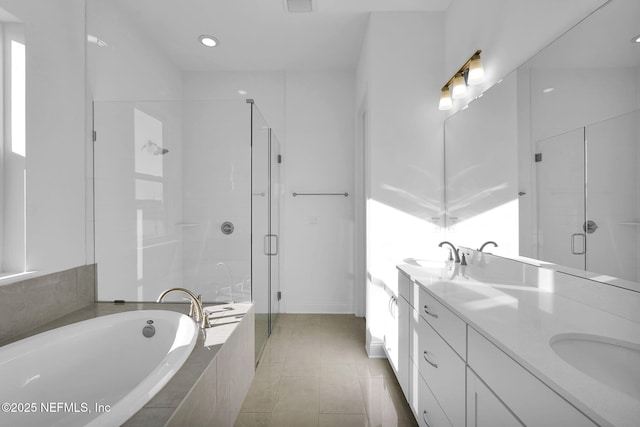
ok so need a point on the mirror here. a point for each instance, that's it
(546, 162)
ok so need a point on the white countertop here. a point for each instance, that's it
(522, 319)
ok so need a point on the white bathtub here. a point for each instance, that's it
(98, 372)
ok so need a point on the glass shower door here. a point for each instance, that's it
(260, 224)
(561, 199)
(265, 220)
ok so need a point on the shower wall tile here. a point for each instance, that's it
(30, 303)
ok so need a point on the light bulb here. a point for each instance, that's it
(459, 87)
(208, 41)
(445, 100)
(476, 71)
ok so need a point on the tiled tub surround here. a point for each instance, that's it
(30, 303)
(516, 312)
(211, 385)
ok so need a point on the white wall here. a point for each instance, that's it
(318, 230)
(398, 81)
(55, 114)
(129, 67)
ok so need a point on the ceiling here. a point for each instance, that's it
(260, 34)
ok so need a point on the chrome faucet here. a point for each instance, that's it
(196, 311)
(490, 242)
(455, 251)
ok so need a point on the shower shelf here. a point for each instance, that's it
(630, 223)
(186, 224)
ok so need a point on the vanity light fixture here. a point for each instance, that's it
(471, 73)
(548, 90)
(636, 39)
(208, 41)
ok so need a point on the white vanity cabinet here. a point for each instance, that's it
(484, 409)
(453, 376)
(518, 388)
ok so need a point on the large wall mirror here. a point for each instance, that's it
(547, 163)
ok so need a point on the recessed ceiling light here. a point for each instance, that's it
(208, 41)
(242, 92)
(636, 39)
(548, 90)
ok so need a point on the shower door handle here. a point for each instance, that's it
(573, 244)
(268, 246)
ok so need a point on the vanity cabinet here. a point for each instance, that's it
(484, 409)
(391, 328)
(518, 388)
(453, 376)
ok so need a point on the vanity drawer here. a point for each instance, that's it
(444, 372)
(448, 325)
(429, 413)
(529, 399)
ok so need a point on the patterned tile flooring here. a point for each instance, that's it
(315, 372)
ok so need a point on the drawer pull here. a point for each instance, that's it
(426, 420)
(426, 310)
(435, 365)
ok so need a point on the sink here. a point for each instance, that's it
(612, 362)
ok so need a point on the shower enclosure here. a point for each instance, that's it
(187, 195)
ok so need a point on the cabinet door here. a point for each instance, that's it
(403, 344)
(391, 331)
(484, 409)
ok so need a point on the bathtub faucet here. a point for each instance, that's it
(196, 311)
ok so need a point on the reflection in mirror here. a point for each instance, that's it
(13, 149)
(583, 92)
(575, 120)
(480, 172)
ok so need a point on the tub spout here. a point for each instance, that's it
(196, 311)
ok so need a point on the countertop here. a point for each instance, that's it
(522, 319)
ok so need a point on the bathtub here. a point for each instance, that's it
(98, 372)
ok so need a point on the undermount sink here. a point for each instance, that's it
(612, 362)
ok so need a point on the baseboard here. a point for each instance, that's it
(375, 350)
(319, 308)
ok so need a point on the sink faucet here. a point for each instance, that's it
(490, 242)
(455, 251)
(196, 311)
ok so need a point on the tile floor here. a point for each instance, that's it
(315, 372)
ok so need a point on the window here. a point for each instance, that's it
(13, 151)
